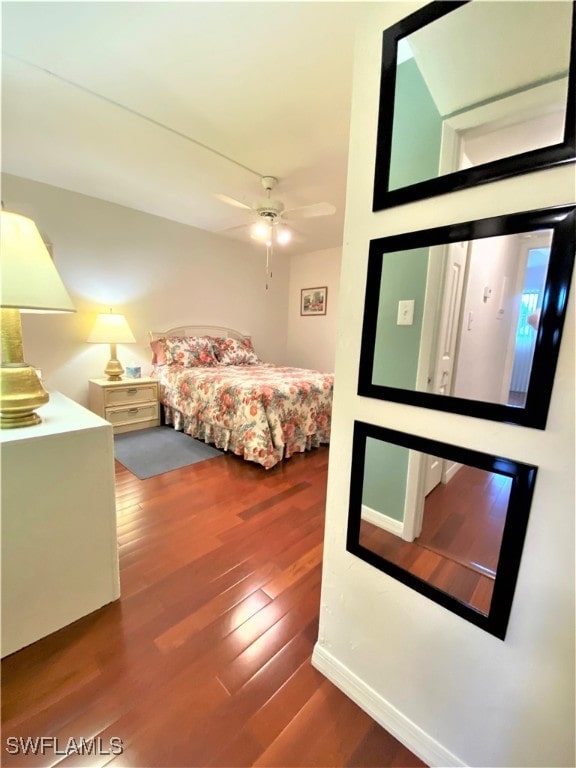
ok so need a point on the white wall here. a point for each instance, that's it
(159, 273)
(484, 145)
(455, 694)
(485, 333)
(312, 340)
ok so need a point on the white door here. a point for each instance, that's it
(433, 473)
(442, 374)
(440, 379)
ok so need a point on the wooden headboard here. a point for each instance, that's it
(199, 330)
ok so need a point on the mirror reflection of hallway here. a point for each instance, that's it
(497, 327)
(468, 317)
(536, 258)
(481, 338)
(461, 525)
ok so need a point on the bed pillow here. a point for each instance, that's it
(235, 352)
(158, 347)
(187, 351)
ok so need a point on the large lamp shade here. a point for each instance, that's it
(29, 277)
(29, 282)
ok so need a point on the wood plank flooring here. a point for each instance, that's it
(205, 659)
(458, 548)
(464, 519)
(465, 584)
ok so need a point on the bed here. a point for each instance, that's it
(213, 386)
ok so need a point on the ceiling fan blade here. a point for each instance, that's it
(232, 201)
(310, 211)
(245, 227)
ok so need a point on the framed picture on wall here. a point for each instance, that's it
(313, 301)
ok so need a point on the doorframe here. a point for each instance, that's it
(414, 499)
(533, 241)
(495, 115)
(484, 118)
(410, 526)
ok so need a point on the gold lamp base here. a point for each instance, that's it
(21, 391)
(114, 369)
(20, 394)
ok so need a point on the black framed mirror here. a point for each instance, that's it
(468, 318)
(446, 521)
(472, 92)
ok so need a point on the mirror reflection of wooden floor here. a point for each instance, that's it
(459, 546)
(464, 519)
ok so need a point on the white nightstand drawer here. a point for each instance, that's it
(128, 405)
(138, 393)
(132, 414)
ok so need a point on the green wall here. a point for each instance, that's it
(416, 138)
(398, 346)
(395, 365)
(385, 472)
(417, 130)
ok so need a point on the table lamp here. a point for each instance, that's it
(111, 328)
(29, 282)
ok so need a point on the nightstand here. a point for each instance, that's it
(128, 404)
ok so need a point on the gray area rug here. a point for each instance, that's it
(150, 452)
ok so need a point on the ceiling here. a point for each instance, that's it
(161, 106)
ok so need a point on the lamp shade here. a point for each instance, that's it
(29, 278)
(111, 328)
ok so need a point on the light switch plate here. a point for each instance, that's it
(405, 312)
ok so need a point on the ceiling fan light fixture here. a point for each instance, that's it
(283, 236)
(269, 229)
(261, 230)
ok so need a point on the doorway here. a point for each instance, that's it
(536, 256)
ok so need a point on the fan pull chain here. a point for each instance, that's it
(268, 273)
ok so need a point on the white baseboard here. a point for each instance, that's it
(450, 472)
(385, 714)
(382, 521)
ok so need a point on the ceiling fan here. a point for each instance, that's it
(269, 226)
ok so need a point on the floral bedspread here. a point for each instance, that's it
(263, 413)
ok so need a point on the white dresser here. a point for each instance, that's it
(59, 541)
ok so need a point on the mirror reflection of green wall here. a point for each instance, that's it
(417, 130)
(503, 95)
(385, 473)
(398, 346)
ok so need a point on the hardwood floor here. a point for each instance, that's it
(205, 660)
(464, 519)
(465, 584)
(458, 548)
